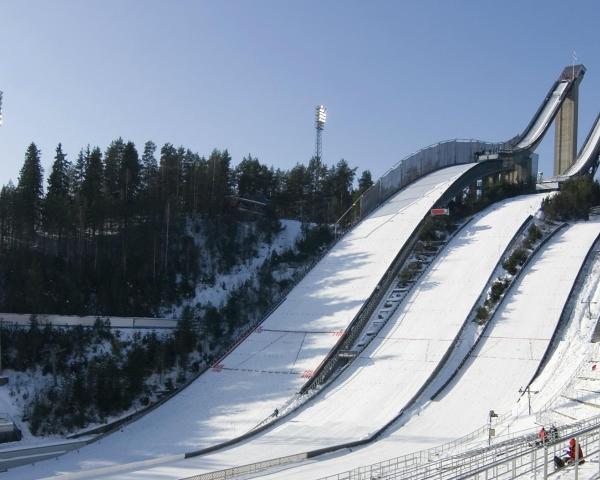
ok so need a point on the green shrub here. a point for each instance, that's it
(574, 199)
(517, 258)
(482, 315)
(534, 234)
(498, 289)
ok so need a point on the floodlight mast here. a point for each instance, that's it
(320, 118)
(0, 108)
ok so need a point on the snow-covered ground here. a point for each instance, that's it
(265, 370)
(573, 372)
(216, 294)
(503, 362)
(398, 362)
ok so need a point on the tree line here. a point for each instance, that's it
(110, 233)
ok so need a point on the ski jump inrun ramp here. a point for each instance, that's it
(265, 370)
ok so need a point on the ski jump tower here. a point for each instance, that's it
(565, 139)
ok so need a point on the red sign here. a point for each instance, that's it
(439, 211)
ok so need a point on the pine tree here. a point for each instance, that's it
(297, 188)
(29, 192)
(7, 199)
(253, 179)
(129, 175)
(365, 181)
(220, 179)
(170, 173)
(129, 183)
(91, 191)
(56, 214)
(77, 171)
(112, 168)
(342, 177)
(149, 167)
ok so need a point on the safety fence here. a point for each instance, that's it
(410, 168)
(545, 410)
(409, 463)
(532, 458)
(249, 469)
(517, 454)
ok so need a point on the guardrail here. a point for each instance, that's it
(592, 351)
(410, 168)
(531, 459)
(248, 469)
(502, 299)
(424, 465)
(23, 456)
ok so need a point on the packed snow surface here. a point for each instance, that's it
(266, 369)
(587, 151)
(504, 361)
(544, 118)
(397, 363)
(217, 293)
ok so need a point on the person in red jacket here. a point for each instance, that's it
(572, 452)
(568, 456)
(542, 435)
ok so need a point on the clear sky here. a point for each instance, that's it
(395, 76)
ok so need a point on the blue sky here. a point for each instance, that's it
(245, 75)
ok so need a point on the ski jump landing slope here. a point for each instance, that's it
(504, 361)
(272, 363)
(377, 386)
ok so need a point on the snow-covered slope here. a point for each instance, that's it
(217, 292)
(398, 362)
(272, 363)
(503, 362)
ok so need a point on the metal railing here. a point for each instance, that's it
(533, 459)
(482, 462)
(407, 463)
(547, 407)
(410, 168)
(248, 469)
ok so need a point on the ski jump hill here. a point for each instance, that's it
(342, 366)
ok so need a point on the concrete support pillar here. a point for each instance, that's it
(565, 139)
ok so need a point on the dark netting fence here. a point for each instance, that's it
(409, 169)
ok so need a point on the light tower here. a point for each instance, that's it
(0, 108)
(320, 118)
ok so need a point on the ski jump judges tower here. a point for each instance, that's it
(565, 140)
